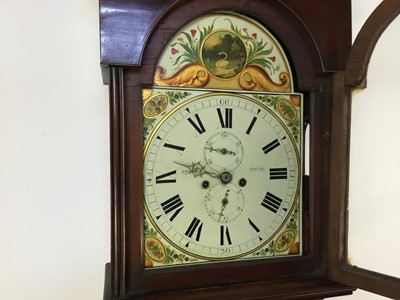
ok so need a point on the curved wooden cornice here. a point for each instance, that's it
(126, 26)
(364, 45)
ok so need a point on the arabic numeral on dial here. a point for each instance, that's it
(225, 251)
(224, 101)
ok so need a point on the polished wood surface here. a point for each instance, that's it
(354, 77)
(126, 25)
(317, 38)
(360, 55)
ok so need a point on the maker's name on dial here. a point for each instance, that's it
(257, 169)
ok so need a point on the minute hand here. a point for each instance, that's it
(197, 169)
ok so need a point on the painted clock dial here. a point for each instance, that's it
(222, 176)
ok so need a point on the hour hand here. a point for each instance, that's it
(197, 169)
(222, 151)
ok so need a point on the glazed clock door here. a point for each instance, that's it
(365, 176)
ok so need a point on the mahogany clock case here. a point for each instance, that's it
(133, 34)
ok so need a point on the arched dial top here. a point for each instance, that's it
(222, 175)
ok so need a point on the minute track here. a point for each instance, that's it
(210, 139)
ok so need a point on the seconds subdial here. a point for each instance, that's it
(224, 203)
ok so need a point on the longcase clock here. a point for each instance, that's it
(216, 191)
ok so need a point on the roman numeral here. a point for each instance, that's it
(271, 202)
(195, 225)
(226, 119)
(278, 173)
(253, 225)
(175, 147)
(271, 146)
(225, 236)
(251, 125)
(198, 125)
(173, 204)
(160, 178)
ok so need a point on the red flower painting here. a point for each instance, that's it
(174, 51)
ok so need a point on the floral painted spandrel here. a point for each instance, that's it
(224, 51)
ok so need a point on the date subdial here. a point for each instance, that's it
(224, 203)
(223, 151)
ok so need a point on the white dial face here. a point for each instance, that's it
(221, 176)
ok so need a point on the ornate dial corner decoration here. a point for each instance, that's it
(146, 94)
(289, 239)
(296, 100)
(286, 242)
(159, 252)
(224, 51)
(288, 108)
(156, 103)
(267, 250)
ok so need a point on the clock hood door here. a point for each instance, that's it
(357, 192)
